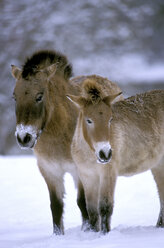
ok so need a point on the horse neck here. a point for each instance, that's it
(61, 113)
(142, 112)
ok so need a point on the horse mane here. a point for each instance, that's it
(44, 58)
(92, 91)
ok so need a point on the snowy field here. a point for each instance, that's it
(25, 218)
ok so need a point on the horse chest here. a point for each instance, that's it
(53, 147)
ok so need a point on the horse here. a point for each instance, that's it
(114, 139)
(46, 120)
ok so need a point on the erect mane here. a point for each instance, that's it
(92, 91)
(44, 58)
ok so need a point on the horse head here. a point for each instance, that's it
(43, 75)
(95, 118)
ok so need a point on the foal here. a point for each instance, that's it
(46, 121)
(116, 139)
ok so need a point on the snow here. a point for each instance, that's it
(24, 129)
(25, 218)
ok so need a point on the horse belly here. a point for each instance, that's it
(131, 165)
(56, 169)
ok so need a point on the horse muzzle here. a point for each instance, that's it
(26, 136)
(104, 158)
(103, 152)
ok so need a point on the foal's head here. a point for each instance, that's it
(33, 91)
(96, 118)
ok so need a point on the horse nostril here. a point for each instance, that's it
(27, 138)
(102, 155)
(110, 154)
(19, 139)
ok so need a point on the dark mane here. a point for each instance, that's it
(92, 91)
(44, 58)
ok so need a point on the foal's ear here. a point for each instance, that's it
(111, 99)
(51, 70)
(79, 101)
(16, 72)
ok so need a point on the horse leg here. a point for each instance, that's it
(82, 205)
(56, 204)
(56, 193)
(158, 174)
(107, 186)
(91, 194)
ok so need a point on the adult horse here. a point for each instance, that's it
(46, 121)
(116, 139)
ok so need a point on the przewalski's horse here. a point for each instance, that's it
(117, 139)
(46, 121)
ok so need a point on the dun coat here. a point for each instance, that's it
(116, 139)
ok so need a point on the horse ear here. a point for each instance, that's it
(16, 72)
(51, 70)
(111, 99)
(79, 101)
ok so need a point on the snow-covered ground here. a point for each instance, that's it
(25, 219)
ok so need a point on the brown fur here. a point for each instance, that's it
(45, 115)
(124, 139)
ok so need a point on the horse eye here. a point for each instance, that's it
(110, 120)
(89, 121)
(39, 97)
(14, 97)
